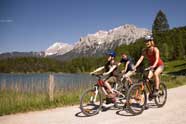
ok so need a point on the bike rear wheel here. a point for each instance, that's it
(91, 102)
(161, 99)
(136, 99)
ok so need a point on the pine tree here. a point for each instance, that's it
(160, 22)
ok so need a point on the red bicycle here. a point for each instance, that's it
(92, 99)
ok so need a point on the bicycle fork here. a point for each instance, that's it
(94, 96)
(138, 96)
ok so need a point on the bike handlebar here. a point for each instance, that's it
(147, 69)
(97, 75)
(142, 70)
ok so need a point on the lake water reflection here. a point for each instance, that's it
(39, 82)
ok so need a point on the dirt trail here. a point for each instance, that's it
(174, 112)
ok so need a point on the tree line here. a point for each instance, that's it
(29, 64)
(43, 65)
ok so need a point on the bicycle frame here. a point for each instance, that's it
(100, 84)
(149, 85)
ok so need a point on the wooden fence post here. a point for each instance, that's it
(51, 86)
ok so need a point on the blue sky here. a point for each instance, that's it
(34, 25)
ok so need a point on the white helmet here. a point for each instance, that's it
(148, 37)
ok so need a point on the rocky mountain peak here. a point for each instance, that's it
(124, 34)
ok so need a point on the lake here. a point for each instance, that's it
(39, 82)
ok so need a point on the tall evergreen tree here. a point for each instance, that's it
(160, 22)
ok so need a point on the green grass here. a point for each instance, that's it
(173, 81)
(176, 67)
(14, 102)
(172, 72)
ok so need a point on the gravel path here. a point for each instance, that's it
(174, 112)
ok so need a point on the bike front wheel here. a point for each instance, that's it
(91, 102)
(136, 98)
(161, 99)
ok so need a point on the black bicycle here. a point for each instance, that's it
(137, 94)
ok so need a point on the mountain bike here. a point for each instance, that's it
(136, 100)
(92, 100)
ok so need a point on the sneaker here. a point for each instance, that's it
(156, 93)
(150, 97)
(110, 100)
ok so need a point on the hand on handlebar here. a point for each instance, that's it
(149, 68)
(95, 74)
(123, 71)
(104, 74)
(92, 73)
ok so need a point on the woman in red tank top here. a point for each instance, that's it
(153, 56)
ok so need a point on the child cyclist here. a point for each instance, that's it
(129, 67)
(110, 70)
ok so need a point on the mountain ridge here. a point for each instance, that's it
(98, 43)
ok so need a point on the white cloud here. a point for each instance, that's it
(6, 20)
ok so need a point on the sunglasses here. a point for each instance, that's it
(147, 41)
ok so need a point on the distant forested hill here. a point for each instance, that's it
(29, 64)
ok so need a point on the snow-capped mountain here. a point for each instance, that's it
(58, 48)
(101, 41)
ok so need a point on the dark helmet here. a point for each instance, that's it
(111, 53)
